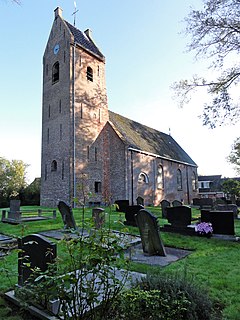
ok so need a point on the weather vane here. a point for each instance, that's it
(74, 13)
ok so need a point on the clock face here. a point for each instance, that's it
(56, 48)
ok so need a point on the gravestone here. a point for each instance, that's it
(149, 232)
(130, 213)
(98, 216)
(196, 202)
(176, 203)
(164, 204)
(121, 205)
(180, 216)
(222, 221)
(35, 251)
(140, 201)
(228, 207)
(67, 215)
(14, 212)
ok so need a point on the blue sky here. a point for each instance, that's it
(144, 53)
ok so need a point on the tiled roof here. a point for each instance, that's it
(83, 40)
(141, 137)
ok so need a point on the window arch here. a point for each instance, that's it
(55, 72)
(194, 181)
(89, 74)
(160, 178)
(54, 165)
(143, 178)
(179, 179)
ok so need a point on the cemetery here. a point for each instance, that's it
(117, 245)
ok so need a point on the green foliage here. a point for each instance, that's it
(31, 194)
(232, 187)
(215, 35)
(161, 296)
(234, 156)
(12, 179)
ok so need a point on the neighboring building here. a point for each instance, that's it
(120, 158)
(210, 186)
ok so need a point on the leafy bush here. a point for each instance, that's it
(164, 297)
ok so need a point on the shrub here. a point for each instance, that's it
(164, 297)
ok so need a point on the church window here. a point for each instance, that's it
(160, 178)
(55, 72)
(49, 111)
(95, 156)
(45, 172)
(81, 111)
(88, 152)
(97, 187)
(143, 178)
(89, 74)
(194, 182)
(64, 56)
(54, 165)
(46, 69)
(48, 135)
(60, 106)
(60, 132)
(98, 70)
(179, 179)
(63, 170)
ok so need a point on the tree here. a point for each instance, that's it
(12, 178)
(215, 35)
(231, 187)
(234, 156)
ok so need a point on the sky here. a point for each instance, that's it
(145, 54)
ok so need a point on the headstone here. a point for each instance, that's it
(196, 202)
(98, 216)
(67, 215)
(130, 213)
(121, 205)
(14, 212)
(140, 201)
(176, 203)
(222, 221)
(149, 232)
(35, 251)
(228, 207)
(165, 204)
(180, 216)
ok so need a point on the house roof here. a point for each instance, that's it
(146, 139)
(84, 41)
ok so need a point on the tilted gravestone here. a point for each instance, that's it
(176, 203)
(222, 221)
(121, 205)
(149, 232)
(165, 204)
(98, 216)
(35, 251)
(67, 215)
(180, 216)
(130, 214)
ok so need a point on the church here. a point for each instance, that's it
(84, 142)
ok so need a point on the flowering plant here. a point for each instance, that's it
(204, 229)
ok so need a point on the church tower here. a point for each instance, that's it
(74, 112)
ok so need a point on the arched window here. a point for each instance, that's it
(54, 165)
(160, 178)
(55, 72)
(89, 74)
(194, 181)
(143, 178)
(179, 179)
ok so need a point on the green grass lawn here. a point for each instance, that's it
(213, 263)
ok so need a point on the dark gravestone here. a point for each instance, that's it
(98, 216)
(206, 203)
(140, 201)
(67, 215)
(14, 212)
(222, 221)
(228, 207)
(149, 232)
(165, 204)
(196, 202)
(130, 213)
(179, 216)
(35, 251)
(176, 203)
(121, 205)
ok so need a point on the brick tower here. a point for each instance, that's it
(74, 112)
